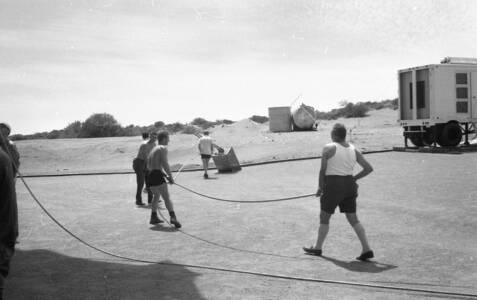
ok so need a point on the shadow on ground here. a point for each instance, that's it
(360, 266)
(43, 274)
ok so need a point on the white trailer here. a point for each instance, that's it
(438, 103)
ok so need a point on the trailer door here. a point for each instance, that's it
(473, 89)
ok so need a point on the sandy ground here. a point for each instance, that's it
(423, 233)
(251, 141)
(418, 209)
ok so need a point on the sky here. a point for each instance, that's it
(175, 60)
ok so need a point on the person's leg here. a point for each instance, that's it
(323, 229)
(140, 184)
(5, 257)
(205, 164)
(138, 167)
(360, 232)
(155, 204)
(163, 190)
(149, 193)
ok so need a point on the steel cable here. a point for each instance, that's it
(243, 201)
(260, 274)
(237, 271)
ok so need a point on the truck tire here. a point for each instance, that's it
(428, 137)
(450, 135)
(416, 139)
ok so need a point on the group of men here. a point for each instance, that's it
(337, 185)
(152, 170)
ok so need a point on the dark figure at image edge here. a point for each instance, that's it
(337, 187)
(8, 211)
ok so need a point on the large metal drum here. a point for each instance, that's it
(303, 117)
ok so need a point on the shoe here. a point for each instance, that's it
(365, 256)
(206, 176)
(312, 251)
(155, 220)
(175, 222)
(139, 203)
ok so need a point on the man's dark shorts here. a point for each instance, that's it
(154, 178)
(339, 191)
(205, 156)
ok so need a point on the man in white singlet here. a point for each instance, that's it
(337, 188)
(206, 146)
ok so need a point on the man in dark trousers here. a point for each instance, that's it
(8, 211)
(139, 166)
(338, 188)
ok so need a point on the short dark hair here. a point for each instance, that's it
(5, 125)
(145, 135)
(162, 135)
(206, 132)
(339, 130)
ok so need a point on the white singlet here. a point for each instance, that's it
(343, 162)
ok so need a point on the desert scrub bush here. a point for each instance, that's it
(191, 129)
(100, 125)
(259, 119)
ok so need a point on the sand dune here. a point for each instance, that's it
(251, 141)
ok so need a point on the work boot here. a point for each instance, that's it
(155, 220)
(206, 176)
(365, 256)
(175, 222)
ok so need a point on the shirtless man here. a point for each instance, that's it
(157, 172)
(338, 188)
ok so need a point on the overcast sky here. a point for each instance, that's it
(174, 60)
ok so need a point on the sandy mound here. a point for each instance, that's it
(251, 141)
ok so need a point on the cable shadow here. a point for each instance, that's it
(44, 274)
(360, 266)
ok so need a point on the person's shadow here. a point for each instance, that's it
(44, 274)
(360, 266)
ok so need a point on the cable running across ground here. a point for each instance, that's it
(260, 274)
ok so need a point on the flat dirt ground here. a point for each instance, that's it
(419, 211)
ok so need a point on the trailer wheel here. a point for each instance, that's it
(450, 135)
(428, 137)
(416, 139)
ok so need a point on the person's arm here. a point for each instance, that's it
(165, 166)
(367, 168)
(220, 149)
(15, 154)
(328, 152)
(140, 152)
